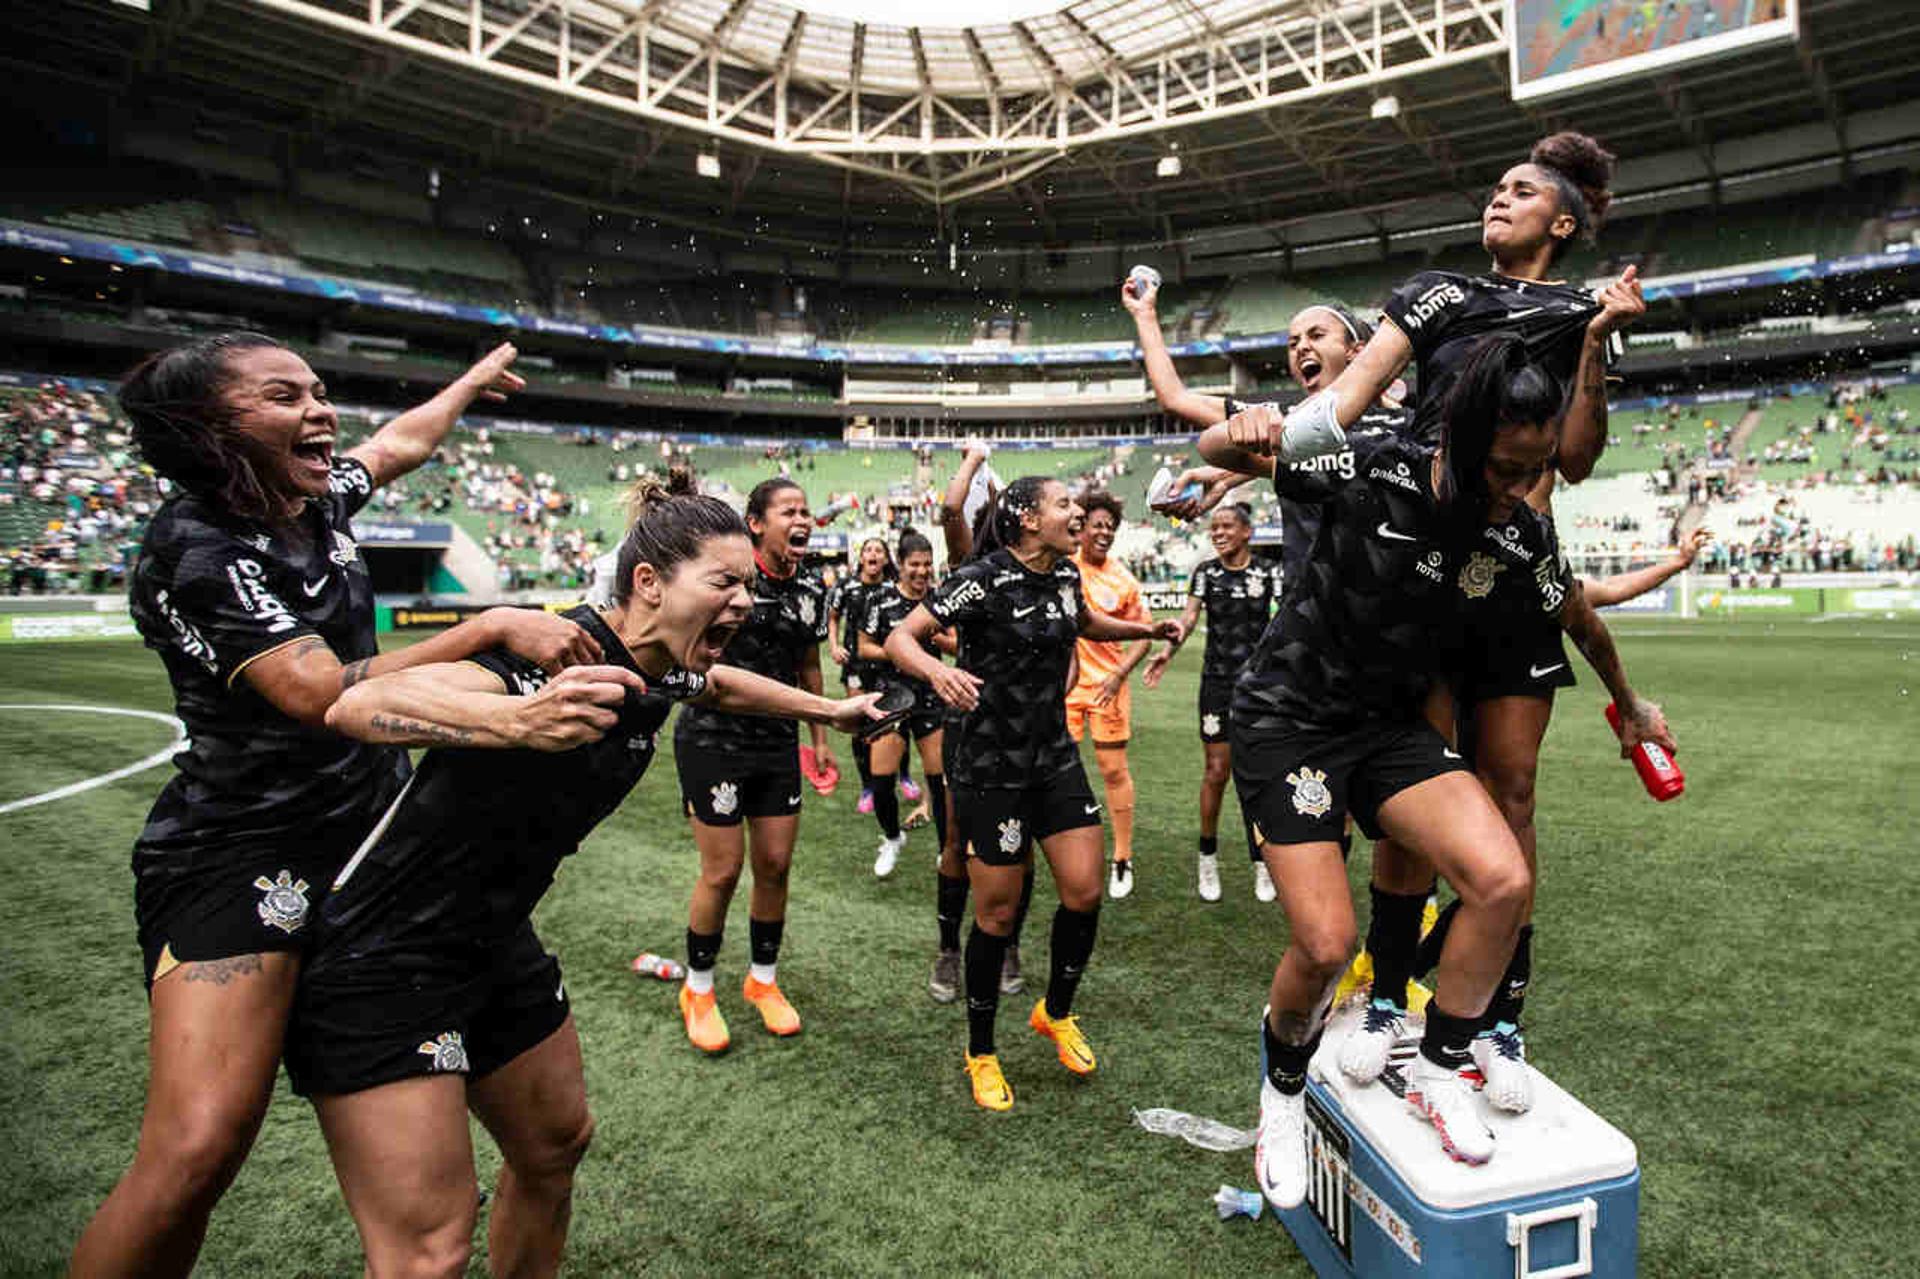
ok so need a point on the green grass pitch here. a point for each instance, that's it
(1723, 977)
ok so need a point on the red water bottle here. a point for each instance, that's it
(1658, 773)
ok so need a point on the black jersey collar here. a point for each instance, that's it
(613, 649)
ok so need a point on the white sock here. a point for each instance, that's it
(700, 980)
(762, 973)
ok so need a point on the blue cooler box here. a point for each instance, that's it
(1559, 1198)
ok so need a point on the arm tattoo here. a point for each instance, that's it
(414, 728)
(353, 672)
(222, 971)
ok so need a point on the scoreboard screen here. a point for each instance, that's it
(1561, 45)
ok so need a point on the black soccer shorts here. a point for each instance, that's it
(721, 789)
(1296, 788)
(999, 826)
(1514, 656)
(359, 1023)
(1216, 708)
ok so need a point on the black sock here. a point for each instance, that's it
(1026, 901)
(985, 953)
(1073, 932)
(949, 904)
(1510, 996)
(886, 805)
(937, 801)
(863, 760)
(1427, 958)
(906, 766)
(1393, 935)
(1209, 845)
(1449, 1039)
(1287, 1063)
(703, 950)
(763, 939)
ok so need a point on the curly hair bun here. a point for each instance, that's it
(1584, 162)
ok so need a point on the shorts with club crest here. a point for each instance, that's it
(1298, 787)
(217, 908)
(360, 1021)
(1216, 708)
(719, 789)
(999, 825)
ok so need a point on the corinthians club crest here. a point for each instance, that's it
(1210, 724)
(449, 1052)
(1477, 574)
(1010, 835)
(285, 904)
(726, 798)
(1311, 798)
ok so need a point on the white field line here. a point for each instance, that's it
(161, 756)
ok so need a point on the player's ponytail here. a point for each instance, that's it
(999, 523)
(670, 523)
(1499, 386)
(183, 427)
(1581, 169)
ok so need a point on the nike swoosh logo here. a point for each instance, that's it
(1449, 753)
(1022, 612)
(1387, 532)
(1531, 310)
(314, 588)
(1092, 809)
(1538, 671)
(794, 799)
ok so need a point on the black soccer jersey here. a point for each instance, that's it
(210, 594)
(849, 598)
(886, 609)
(1376, 608)
(1017, 630)
(789, 617)
(1443, 314)
(478, 835)
(1238, 603)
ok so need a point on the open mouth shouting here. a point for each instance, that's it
(314, 453)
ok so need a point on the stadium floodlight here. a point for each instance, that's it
(1169, 167)
(707, 165)
(1385, 107)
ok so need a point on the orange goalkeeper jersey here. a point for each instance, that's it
(1111, 591)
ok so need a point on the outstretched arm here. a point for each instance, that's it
(953, 503)
(1174, 397)
(410, 439)
(741, 692)
(1621, 587)
(1640, 720)
(1157, 664)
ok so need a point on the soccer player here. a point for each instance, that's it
(846, 608)
(250, 588)
(430, 997)
(924, 725)
(1505, 689)
(1017, 608)
(740, 775)
(1100, 698)
(1237, 590)
(950, 893)
(1328, 717)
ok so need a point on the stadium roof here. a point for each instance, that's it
(1051, 129)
